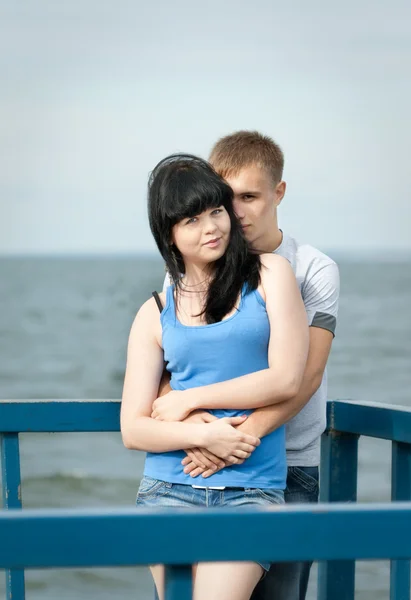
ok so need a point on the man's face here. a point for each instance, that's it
(256, 198)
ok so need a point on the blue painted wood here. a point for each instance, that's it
(79, 538)
(338, 473)
(59, 415)
(339, 459)
(178, 582)
(11, 492)
(400, 491)
(384, 421)
(372, 419)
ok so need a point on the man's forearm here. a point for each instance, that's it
(164, 386)
(265, 420)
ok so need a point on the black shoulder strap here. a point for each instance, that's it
(158, 301)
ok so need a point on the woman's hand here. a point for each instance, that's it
(174, 406)
(222, 439)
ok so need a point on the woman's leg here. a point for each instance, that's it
(155, 493)
(157, 571)
(226, 580)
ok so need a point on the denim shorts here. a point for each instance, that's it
(154, 493)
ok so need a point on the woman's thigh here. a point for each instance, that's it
(226, 580)
(153, 493)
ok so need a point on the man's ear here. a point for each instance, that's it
(280, 192)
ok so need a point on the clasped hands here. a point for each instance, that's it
(176, 406)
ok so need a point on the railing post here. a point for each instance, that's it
(338, 483)
(11, 487)
(178, 582)
(400, 490)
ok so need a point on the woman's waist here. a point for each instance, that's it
(269, 455)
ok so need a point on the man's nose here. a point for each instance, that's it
(239, 212)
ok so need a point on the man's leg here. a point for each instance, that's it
(289, 581)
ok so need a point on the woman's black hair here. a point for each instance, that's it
(183, 186)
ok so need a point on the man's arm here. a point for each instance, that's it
(164, 386)
(267, 419)
(321, 297)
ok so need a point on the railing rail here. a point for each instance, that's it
(340, 526)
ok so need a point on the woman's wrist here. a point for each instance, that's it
(191, 400)
(200, 437)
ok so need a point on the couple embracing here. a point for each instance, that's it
(244, 325)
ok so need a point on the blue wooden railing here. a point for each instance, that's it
(335, 534)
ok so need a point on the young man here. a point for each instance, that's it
(253, 166)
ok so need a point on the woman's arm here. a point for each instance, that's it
(143, 372)
(287, 355)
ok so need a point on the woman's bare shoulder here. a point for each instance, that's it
(274, 262)
(148, 314)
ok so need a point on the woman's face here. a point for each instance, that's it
(203, 239)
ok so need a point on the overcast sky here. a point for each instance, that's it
(93, 93)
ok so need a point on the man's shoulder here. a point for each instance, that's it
(318, 279)
(304, 257)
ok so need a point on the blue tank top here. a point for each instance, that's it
(205, 354)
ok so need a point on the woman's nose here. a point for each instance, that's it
(210, 225)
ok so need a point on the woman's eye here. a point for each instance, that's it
(217, 211)
(192, 220)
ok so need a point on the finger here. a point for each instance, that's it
(250, 439)
(201, 460)
(208, 473)
(236, 420)
(208, 417)
(190, 468)
(196, 472)
(246, 447)
(215, 460)
(154, 414)
(186, 460)
(206, 459)
(232, 460)
(190, 454)
(241, 454)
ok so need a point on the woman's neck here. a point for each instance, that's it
(197, 276)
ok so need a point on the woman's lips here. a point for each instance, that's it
(213, 243)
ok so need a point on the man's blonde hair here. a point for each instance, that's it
(234, 152)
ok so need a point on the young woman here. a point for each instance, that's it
(230, 314)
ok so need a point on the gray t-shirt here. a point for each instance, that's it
(318, 279)
(319, 282)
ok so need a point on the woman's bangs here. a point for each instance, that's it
(188, 201)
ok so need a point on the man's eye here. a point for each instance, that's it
(248, 197)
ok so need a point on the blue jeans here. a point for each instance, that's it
(156, 493)
(289, 581)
